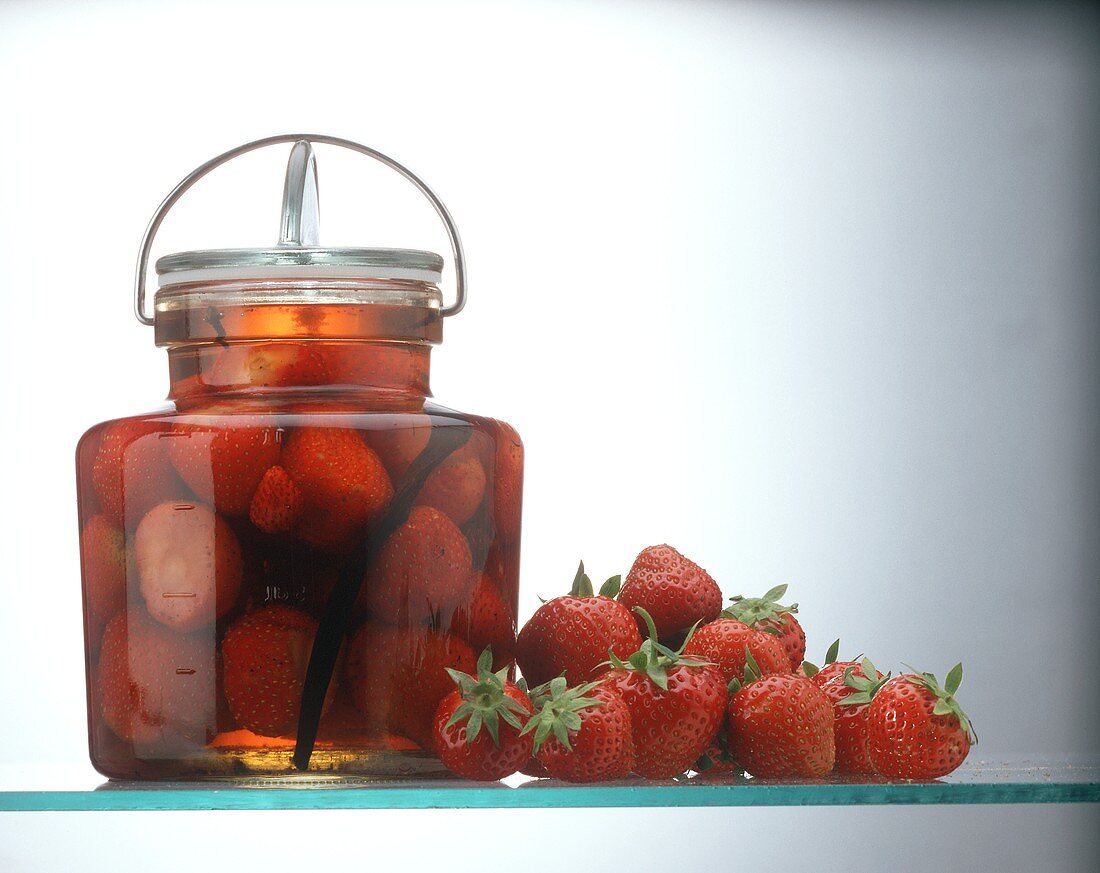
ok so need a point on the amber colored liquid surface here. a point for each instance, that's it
(206, 574)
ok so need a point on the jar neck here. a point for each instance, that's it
(297, 368)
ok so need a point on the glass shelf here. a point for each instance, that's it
(995, 781)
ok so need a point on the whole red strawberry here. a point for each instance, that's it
(398, 676)
(851, 695)
(154, 686)
(342, 480)
(675, 591)
(132, 472)
(103, 559)
(917, 729)
(477, 729)
(570, 636)
(277, 503)
(507, 481)
(223, 461)
(264, 658)
(485, 621)
(424, 568)
(725, 642)
(676, 705)
(767, 614)
(456, 486)
(781, 726)
(581, 734)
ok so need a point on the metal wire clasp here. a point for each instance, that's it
(301, 190)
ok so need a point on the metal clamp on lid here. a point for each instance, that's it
(298, 253)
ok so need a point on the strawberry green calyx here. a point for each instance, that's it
(864, 687)
(484, 702)
(582, 585)
(752, 673)
(654, 659)
(556, 711)
(946, 704)
(811, 670)
(753, 610)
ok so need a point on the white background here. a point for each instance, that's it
(807, 290)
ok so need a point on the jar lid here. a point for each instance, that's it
(299, 262)
(298, 255)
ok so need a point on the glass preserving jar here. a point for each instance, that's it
(278, 566)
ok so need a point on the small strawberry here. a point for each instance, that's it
(486, 701)
(153, 685)
(398, 676)
(188, 563)
(581, 734)
(677, 592)
(780, 726)
(851, 694)
(507, 481)
(132, 472)
(485, 621)
(275, 364)
(277, 503)
(917, 729)
(767, 614)
(223, 460)
(725, 643)
(571, 636)
(343, 483)
(265, 654)
(676, 705)
(456, 486)
(398, 440)
(103, 560)
(422, 569)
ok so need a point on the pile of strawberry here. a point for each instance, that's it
(707, 689)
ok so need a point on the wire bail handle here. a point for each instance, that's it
(299, 222)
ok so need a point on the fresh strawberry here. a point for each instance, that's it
(571, 636)
(581, 734)
(153, 685)
(189, 565)
(275, 364)
(917, 729)
(780, 726)
(132, 472)
(508, 481)
(726, 641)
(767, 614)
(224, 461)
(456, 486)
(277, 503)
(398, 440)
(423, 569)
(342, 481)
(851, 695)
(398, 676)
(103, 556)
(676, 705)
(484, 620)
(265, 654)
(486, 701)
(533, 768)
(675, 591)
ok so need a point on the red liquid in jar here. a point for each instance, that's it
(212, 535)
